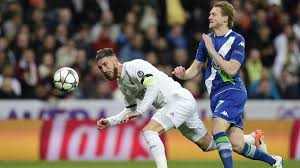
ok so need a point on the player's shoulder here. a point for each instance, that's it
(238, 36)
(239, 39)
(136, 64)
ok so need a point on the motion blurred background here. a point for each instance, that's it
(39, 36)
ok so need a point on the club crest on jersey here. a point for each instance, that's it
(140, 74)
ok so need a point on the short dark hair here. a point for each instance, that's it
(227, 10)
(105, 52)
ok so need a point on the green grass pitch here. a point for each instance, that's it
(137, 164)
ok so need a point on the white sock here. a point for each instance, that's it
(212, 146)
(249, 139)
(157, 148)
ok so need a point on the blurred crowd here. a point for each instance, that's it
(39, 36)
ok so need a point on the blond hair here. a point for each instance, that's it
(227, 10)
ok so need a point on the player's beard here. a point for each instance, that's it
(214, 25)
(114, 76)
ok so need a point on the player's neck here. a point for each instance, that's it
(221, 31)
(120, 69)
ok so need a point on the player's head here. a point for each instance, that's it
(221, 14)
(107, 63)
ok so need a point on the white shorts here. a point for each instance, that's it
(181, 113)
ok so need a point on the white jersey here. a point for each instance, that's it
(131, 84)
(176, 106)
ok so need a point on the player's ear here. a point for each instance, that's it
(225, 18)
(115, 59)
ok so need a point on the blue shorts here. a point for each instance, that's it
(229, 105)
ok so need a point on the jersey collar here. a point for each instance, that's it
(123, 72)
(230, 30)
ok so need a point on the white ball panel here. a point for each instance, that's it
(58, 85)
(64, 73)
(67, 86)
(70, 78)
(57, 76)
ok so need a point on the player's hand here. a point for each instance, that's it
(179, 72)
(102, 124)
(208, 43)
(130, 116)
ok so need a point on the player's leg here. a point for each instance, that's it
(151, 133)
(194, 129)
(236, 136)
(207, 143)
(219, 128)
(172, 115)
(234, 108)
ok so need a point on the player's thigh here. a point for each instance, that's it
(194, 129)
(154, 126)
(176, 112)
(219, 125)
(165, 121)
(236, 137)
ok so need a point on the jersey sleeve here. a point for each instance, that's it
(238, 51)
(142, 71)
(201, 52)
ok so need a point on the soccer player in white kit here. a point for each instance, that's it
(176, 106)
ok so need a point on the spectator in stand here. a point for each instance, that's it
(82, 41)
(164, 52)
(287, 85)
(66, 55)
(6, 54)
(176, 38)
(47, 68)
(281, 47)
(27, 72)
(265, 88)
(133, 50)
(105, 40)
(20, 44)
(103, 90)
(254, 65)
(151, 57)
(11, 25)
(81, 63)
(127, 34)
(106, 20)
(6, 89)
(151, 38)
(9, 74)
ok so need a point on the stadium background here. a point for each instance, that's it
(37, 122)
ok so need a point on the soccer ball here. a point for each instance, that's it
(66, 79)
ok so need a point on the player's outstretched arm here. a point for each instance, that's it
(130, 116)
(113, 120)
(190, 73)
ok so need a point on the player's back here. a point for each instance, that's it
(133, 76)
